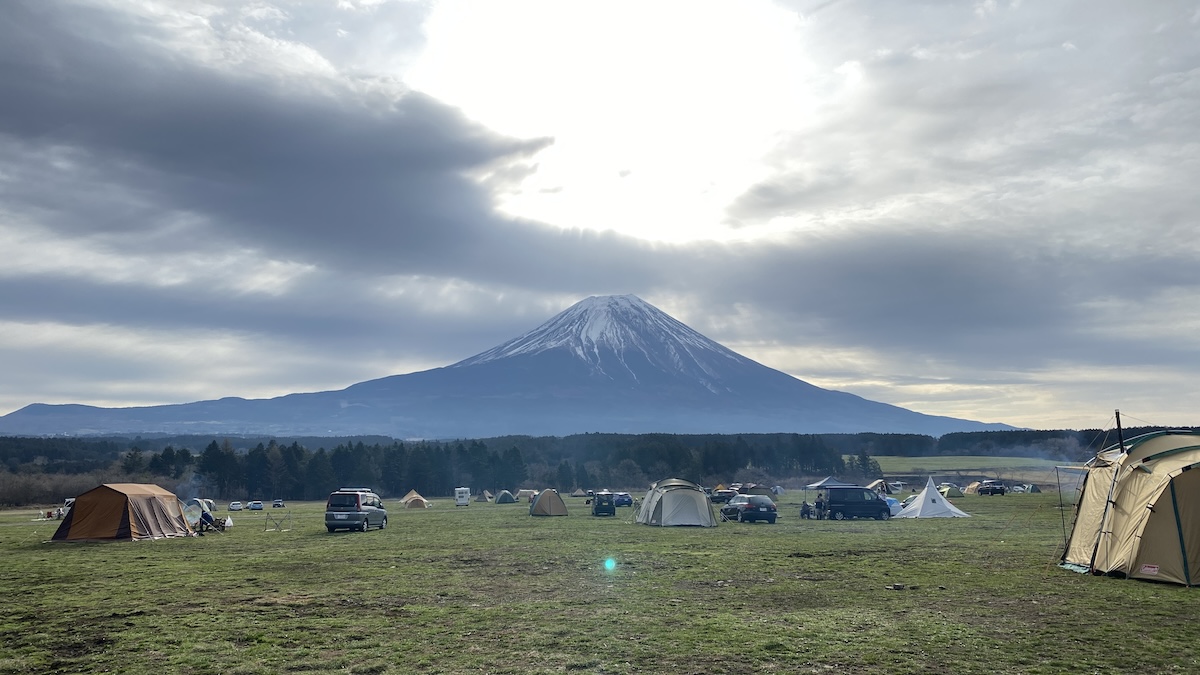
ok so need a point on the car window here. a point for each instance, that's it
(343, 500)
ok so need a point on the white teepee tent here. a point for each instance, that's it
(931, 504)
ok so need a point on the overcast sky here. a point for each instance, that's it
(979, 209)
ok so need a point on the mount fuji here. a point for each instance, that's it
(607, 364)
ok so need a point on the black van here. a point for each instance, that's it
(855, 502)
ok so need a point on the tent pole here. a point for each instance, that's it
(1187, 573)
(1108, 500)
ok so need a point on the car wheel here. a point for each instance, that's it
(384, 523)
(331, 529)
(838, 515)
(363, 528)
(741, 517)
(770, 521)
(884, 515)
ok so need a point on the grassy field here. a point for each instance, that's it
(487, 589)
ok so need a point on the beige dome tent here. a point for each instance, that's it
(972, 488)
(414, 500)
(676, 502)
(124, 512)
(548, 503)
(1138, 513)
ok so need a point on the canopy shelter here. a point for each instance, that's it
(1138, 512)
(880, 485)
(829, 482)
(124, 512)
(931, 504)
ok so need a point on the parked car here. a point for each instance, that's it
(277, 504)
(722, 496)
(622, 499)
(992, 487)
(354, 509)
(256, 505)
(855, 502)
(235, 506)
(603, 504)
(745, 508)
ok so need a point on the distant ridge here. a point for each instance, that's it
(606, 364)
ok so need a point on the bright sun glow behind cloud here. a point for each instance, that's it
(660, 112)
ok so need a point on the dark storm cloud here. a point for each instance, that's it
(310, 171)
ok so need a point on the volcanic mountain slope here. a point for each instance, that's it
(608, 364)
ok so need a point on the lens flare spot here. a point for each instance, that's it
(610, 564)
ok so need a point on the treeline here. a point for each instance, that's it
(44, 470)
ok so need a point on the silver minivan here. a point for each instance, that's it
(354, 509)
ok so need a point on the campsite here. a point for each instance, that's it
(491, 589)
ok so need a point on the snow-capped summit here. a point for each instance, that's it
(610, 364)
(612, 334)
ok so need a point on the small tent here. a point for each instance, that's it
(484, 496)
(526, 495)
(676, 502)
(972, 488)
(1138, 513)
(950, 491)
(579, 493)
(505, 497)
(881, 486)
(412, 494)
(123, 512)
(547, 503)
(417, 502)
(931, 504)
(756, 489)
(1031, 487)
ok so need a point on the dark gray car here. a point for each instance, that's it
(354, 510)
(855, 502)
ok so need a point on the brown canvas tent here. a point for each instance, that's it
(1138, 513)
(484, 496)
(124, 512)
(548, 503)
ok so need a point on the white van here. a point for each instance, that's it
(462, 496)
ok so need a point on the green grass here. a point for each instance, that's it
(487, 589)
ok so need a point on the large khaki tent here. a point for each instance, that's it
(931, 504)
(505, 497)
(1138, 514)
(547, 503)
(675, 501)
(123, 511)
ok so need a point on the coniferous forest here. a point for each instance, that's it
(46, 470)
